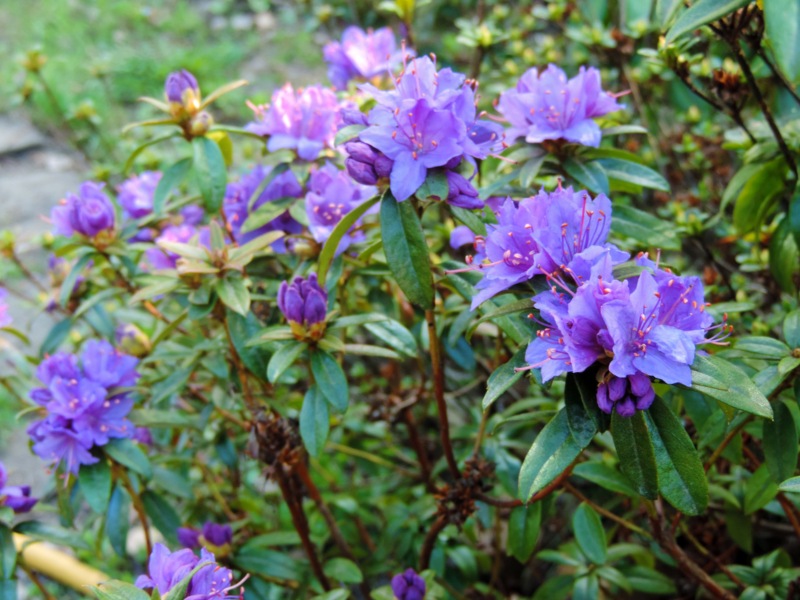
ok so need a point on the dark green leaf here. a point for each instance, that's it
(782, 20)
(590, 175)
(719, 379)
(759, 490)
(265, 213)
(794, 218)
(234, 294)
(254, 559)
(605, 476)
(394, 335)
(171, 179)
(127, 453)
(347, 133)
(581, 424)
(210, 173)
(530, 169)
(283, 358)
(8, 553)
(780, 443)
(586, 588)
(632, 172)
(503, 378)
(681, 478)
(648, 580)
(784, 256)
(162, 515)
(635, 451)
(69, 281)
(791, 485)
(523, 530)
(589, 533)
(95, 483)
(644, 228)
(142, 147)
(243, 330)
(406, 250)
(701, 13)
(759, 195)
(332, 244)
(119, 590)
(762, 346)
(330, 379)
(553, 451)
(470, 219)
(314, 421)
(791, 329)
(343, 570)
(434, 187)
(57, 334)
(117, 520)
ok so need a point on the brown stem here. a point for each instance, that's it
(438, 386)
(301, 525)
(777, 73)
(419, 448)
(430, 540)
(606, 513)
(251, 402)
(543, 493)
(37, 582)
(707, 553)
(138, 506)
(728, 439)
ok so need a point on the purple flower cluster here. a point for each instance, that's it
(181, 87)
(5, 318)
(160, 258)
(408, 586)
(135, 194)
(16, 497)
(305, 305)
(362, 55)
(166, 570)
(88, 213)
(85, 407)
(547, 106)
(305, 120)
(212, 534)
(428, 121)
(239, 203)
(332, 194)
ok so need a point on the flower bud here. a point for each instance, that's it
(183, 93)
(132, 340)
(361, 172)
(461, 193)
(408, 586)
(88, 213)
(304, 304)
(200, 124)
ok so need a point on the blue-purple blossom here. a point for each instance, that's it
(166, 570)
(547, 106)
(362, 55)
(542, 235)
(408, 586)
(16, 497)
(305, 120)
(181, 88)
(5, 318)
(429, 120)
(135, 194)
(365, 164)
(304, 303)
(461, 236)
(332, 194)
(213, 534)
(88, 213)
(84, 404)
(239, 203)
(160, 258)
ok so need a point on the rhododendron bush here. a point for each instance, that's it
(401, 335)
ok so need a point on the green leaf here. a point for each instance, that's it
(234, 294)
(265, 213)
(117, 520)
(644, 228)
(723, 381)
(347, 133)
(162, 515)
(581, 425)
(648, 580)
(759, 195)
(470, 219)
(510, 308)
(128, 454)
(553, 451)
(759, 490)
(791, 329)
(284, 358)
(171, 179)
(701, 13)
(794, 217)
(782, 20)
(254, 559)
(95, 483)
(589, 533)
(243, 330)
(210, 173)
(57, 334)
(784, 256)
(780, 443)
(69, 281)
(370, 350)
(118, 590)
(394, 335)
(631, 172)
(332, 244)
(681, 478)
(314, 421)
(590, 175)
(406, 250)
(331, 380)
(503, 378)
(530, 169)
(142, 147)
(762, 346)
(435, 186)
(635, 451)
(523, 530)
(605, 476)
(8, 553)
(791, 485)
(343, 570)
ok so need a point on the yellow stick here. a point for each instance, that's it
(57, 565)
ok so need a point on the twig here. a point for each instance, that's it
(430, 540)
(606, 513)
(138, 506)
(556, 483)
(419, 449)
(37, 582)
(724, 444)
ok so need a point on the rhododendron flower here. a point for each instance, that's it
(213, 534)
(305, 120)
(332, 194)
(180, 86)
(239, 204)
(135, 194)
(408, 586)
(84, 405)
(304, 304)
(365, 164)
(89, 212)
(5, 318)
(16, 497)
(160, 258)
(166, 570)
(547, 106)
(362, 55)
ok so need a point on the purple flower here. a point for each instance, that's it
(332, 194)
(167, 569)
(88, 213)
(626, 394)
(547, 106)
(365, 164)
(192, 214)
(362, 55)
(461, 236)
(135, 194)
(181, 87)
(84, 406)
(212, 534)
(188, 537)
(160, 258)
(305, 121)
(461, 193)
(16, 497)
(408, 586)
(239, 203)
(305, 305)
(5, 318)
